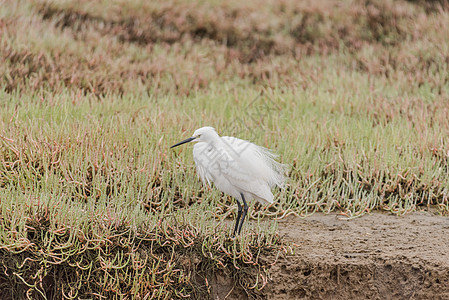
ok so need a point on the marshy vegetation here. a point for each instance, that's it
(351, 94)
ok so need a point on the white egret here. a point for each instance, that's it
(237, 167)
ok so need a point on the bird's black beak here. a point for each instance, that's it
(183, 142)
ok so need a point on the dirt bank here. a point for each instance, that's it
(378, 256)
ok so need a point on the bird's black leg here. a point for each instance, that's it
(239, 213)
(245, 210)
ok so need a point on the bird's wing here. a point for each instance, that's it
(244, 166)
(258, 161)
(215, 164)
(243, 180)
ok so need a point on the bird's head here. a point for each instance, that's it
(204, 134)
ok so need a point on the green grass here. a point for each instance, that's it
(93, 201)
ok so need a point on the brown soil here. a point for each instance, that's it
(377, 256)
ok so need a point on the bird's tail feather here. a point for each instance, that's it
(278, 174)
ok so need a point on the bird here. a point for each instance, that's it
(236, 167)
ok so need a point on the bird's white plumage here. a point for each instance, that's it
(237, 166)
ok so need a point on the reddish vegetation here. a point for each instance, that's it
(235, 40)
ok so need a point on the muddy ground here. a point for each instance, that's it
(377, 256)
